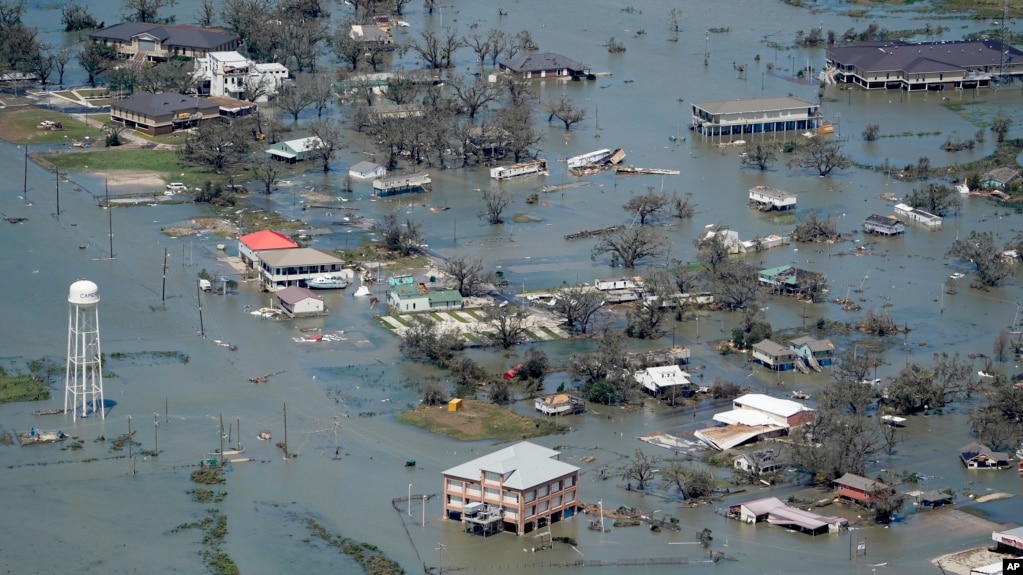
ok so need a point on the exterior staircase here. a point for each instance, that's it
(139, 59)
(812, 361)
(800, 365)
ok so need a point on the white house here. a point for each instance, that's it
(729, 238)
(231, 74)
(660, 378)
(367, 171)
(280, 268)
(617, 283)
(298, 301)
(766, 198)
(293, 151)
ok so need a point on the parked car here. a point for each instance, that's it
(177, 187)
(874, 381)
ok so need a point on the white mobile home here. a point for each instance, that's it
(917, 215)
(520, 169)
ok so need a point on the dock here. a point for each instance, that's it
(593, 233)
(634, 171)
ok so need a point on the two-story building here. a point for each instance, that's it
(773, 355)
(163, 112)
(250, 245)
(518, 488)
(920, 66)
(660, 379)
(755, 116)
(765, 198)
(815, 352)
(231, 74)
(144, 41)
(295, 267)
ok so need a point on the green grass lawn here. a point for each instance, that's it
(550, 332)
(20, 387)
(164, 162)
(22, 127)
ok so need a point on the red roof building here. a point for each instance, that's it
(249, 244)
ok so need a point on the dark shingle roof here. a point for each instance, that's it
(542, 61)
(923, 57)
(150, 104)
(180, 35)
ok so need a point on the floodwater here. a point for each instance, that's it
(94, 510)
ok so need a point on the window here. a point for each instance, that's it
(454, 485)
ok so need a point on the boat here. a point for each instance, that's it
(329, 281)
(38, 436)
(228, 452)
(264, 435)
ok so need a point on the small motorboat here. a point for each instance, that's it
(264, 435)
(329, 281)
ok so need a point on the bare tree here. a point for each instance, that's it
(322, 94)
(504, 326)
(871, 132)
(346, 49)
(734, 284)
(646, 205)
(519, 90)
(495, 200)
(641, 469)
(475, 95)
(94, 60)
(266, 172)
(206, 14)
(522, 139)
(437, 51)
(480, 45)
(564, 110)
(331, 140)
(821, 155)
(60, 60)
(712, 247)
(629, 245)
(1002, 345)
(759, 155)
(682, 207)
(577, 306)
(294, 99)
(466, 272)
(222, 147)
(146, 10)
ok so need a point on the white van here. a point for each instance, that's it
(205, 285)
(177, 187)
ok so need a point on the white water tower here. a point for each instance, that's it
(83, 388)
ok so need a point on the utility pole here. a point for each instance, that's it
(156, 434)
(58, 190)
(198, 296)
(287, 454)
(25, 178)
(163, 290)
(110, 217)
(221, 439)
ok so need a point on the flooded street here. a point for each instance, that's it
(95, 510)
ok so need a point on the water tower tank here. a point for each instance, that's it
(83, 293)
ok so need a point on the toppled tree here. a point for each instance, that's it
(433, 394)
(629, 245)
(692, 482)
(937, 199)
(979, 248)
(878, 323)
(814, 229)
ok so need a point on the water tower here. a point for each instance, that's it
(84, 381)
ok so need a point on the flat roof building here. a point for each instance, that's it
(755, 116)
